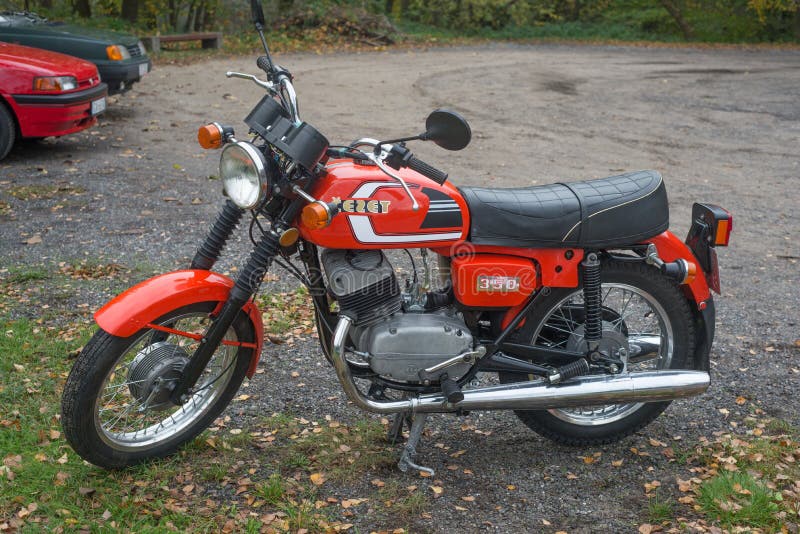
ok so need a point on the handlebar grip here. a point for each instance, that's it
(263, 63)
(424, 169)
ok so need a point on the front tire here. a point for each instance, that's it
(641, 308)
(115, 409)
(7, 130)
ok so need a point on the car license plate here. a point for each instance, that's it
(99, 106)
(142, 69)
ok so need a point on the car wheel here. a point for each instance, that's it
(7, 130)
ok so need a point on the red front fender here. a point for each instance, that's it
(129, 312)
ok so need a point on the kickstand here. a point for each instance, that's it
(399, 422)
(410, 449)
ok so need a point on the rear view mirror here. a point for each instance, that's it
(447, 129)
(257, 12)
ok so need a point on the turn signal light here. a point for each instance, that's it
(210, 136)
(55, 83)
(316, 215)
(117, 53)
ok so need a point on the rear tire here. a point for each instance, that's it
(659, 304)
(113, 409)
(8, 130)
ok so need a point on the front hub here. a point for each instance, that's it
(153, 374)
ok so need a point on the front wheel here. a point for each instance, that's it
(115, 408)
(646, 323)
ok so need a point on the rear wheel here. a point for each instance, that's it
(116, 410)
(7, 130)
(646, 322)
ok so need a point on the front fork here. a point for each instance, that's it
(247, 283)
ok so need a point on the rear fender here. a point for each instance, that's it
(671, 248)
(145, 302)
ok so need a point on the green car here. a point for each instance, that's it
(120, 58)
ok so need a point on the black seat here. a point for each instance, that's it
(615, 211)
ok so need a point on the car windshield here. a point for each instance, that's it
(21, 18)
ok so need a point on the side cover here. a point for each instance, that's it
(129, 312)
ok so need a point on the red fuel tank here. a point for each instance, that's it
(375, 211)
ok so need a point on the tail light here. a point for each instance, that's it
(711, 227)
(712, 224)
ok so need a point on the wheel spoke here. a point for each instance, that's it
(127, 423)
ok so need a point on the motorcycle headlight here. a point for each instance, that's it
(244, 174)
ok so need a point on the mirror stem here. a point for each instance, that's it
(260, 30)
(400, 140)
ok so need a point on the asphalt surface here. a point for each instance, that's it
(722, 126)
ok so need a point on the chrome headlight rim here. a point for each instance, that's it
(259, 164)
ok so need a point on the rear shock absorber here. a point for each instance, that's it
(592, 302)
(226, 222)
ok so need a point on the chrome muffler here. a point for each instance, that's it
(648, 386)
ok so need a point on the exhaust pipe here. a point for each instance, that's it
(648, 386)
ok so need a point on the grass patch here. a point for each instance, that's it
(659, 509)
(38, 192)
(749, 481)
(279, 474)
(21, 275)
(287, 315)
(738, 499)
(338, 452)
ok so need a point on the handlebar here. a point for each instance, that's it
(428, 171)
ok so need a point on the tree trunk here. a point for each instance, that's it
(83, 8)
(130, 10)
(173, 15)
(46, 4)
(675, 12)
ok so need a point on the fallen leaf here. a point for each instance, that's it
(317, 479)
(33, 240)
(468, 498)
(87, 492)
(437, 490)
(616, 463)
(740, 400)
(378, 483)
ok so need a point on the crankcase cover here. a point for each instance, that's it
(408, 343)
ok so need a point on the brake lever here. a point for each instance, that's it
(266, 85)
(379, 163)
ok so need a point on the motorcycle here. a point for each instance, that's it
(591, 314)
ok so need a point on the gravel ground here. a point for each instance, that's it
(721, 125)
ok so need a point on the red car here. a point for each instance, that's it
(45, 94)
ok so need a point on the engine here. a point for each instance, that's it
(398, 345)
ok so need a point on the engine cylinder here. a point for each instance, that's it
(364, 283)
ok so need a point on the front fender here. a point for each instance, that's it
(132, 310)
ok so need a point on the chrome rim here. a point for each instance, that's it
(125, 419)
(629, 313)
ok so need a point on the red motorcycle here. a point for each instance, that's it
(590, 312)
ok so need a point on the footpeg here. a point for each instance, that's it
(565, 372)
(451, 391)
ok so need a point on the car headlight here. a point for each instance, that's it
(142, 49)
(117, 52)
(244, 174)
(55, 83)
